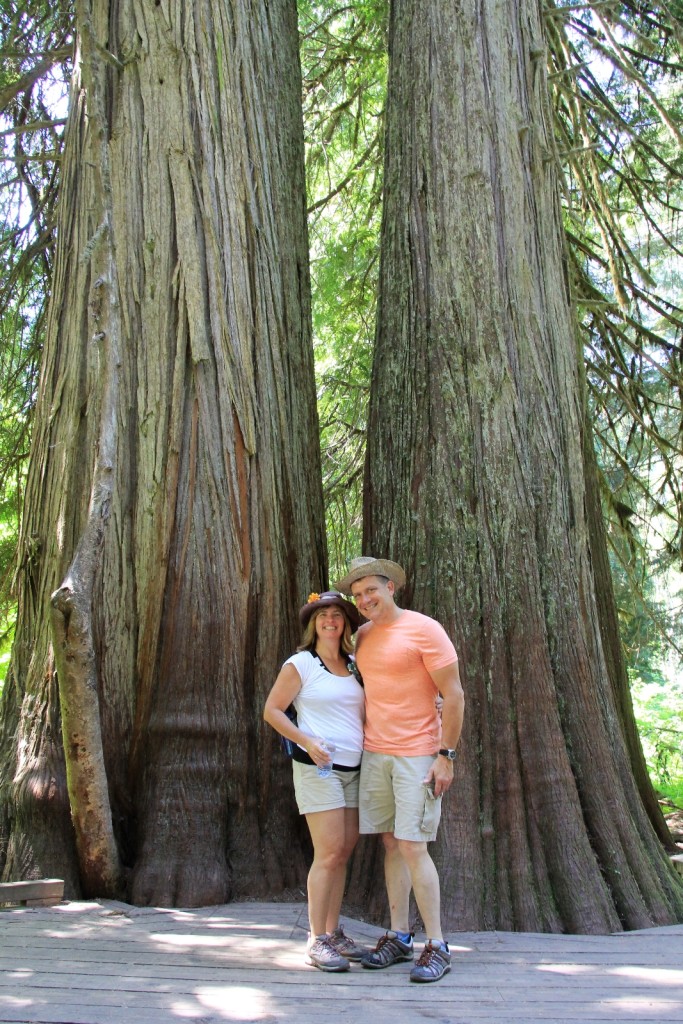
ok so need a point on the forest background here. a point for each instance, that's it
(614, 74)
(626, 240)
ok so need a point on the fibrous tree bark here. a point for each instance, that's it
(475, 483)
(174, 508)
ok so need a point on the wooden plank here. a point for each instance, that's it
(354, 987)
(103, 963)
(38, 892)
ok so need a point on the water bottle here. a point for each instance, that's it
(324, 771)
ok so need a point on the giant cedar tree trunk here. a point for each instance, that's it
(475, 483)
(174, 505)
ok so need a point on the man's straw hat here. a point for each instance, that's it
(366, 565)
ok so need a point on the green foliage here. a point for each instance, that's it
(651, 627)
(36, 50)
(344, 66)
(7, 634)
(658, 706)
(35, 47)
(613, 75)
(16, 391)
(615, 72)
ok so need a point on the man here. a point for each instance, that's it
(405, 659)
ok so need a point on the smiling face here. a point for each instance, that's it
(374, 597)
(330, 623)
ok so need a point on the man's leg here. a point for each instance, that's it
(377, 816)
(408, 865)
(398, 883)
(424, 877)
(396, 945)
(435, 959)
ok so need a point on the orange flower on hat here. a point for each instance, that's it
(312, 598)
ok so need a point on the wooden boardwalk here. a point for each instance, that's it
(105, 963)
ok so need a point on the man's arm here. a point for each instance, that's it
(447, 681)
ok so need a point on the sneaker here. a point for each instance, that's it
(322, 954)
(345, 945)
(434, 962)
(389, 950)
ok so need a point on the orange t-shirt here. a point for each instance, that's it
(395, 662)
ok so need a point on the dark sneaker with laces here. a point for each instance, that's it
(322, 954)
(389, 950)
(346, 946)
(434, 962)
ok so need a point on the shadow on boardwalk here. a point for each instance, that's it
(104, 962)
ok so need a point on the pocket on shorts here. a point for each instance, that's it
(431, 812)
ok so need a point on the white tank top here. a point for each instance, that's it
(330, 706)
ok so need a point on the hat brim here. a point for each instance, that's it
(372, 567)
(326, 601)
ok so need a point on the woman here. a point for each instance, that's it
(320, 681)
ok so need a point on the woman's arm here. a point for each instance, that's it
(285, 688)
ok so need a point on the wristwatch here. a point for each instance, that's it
(448, 752)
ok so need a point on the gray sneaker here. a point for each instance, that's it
(389, 950)
(434, 962)
(322, 954)
(346, 946)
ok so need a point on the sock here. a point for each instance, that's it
(405, 937)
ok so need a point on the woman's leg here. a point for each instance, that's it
(334, 834)
(339, 885)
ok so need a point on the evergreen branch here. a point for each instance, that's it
(28, 79)
(33, 126)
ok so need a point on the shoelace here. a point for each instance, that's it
(428, 954)
(385, 940)
(325, 946)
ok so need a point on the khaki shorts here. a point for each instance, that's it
(393, 797)
(312, 793)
